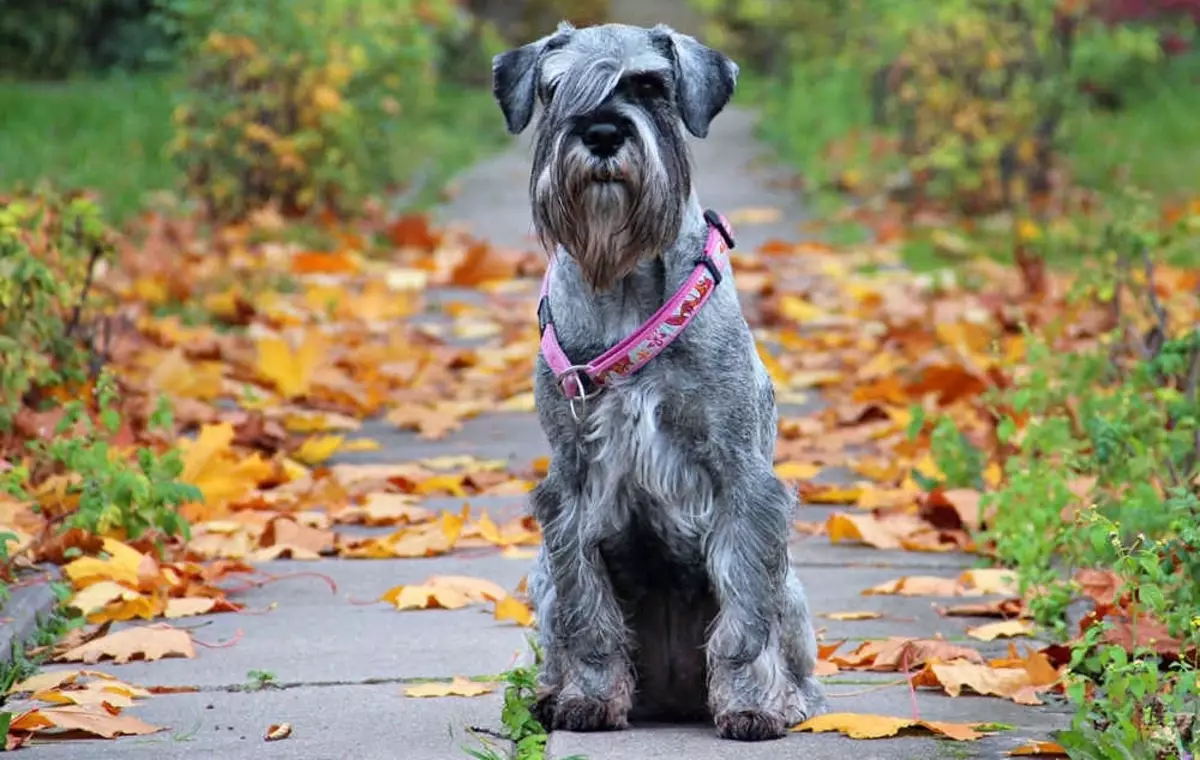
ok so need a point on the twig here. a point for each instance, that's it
(93, 259)
(870, 689)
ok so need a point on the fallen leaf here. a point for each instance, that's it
(510, 608)
(458, 687)
(918, 585)
(1003, 629)
(866, 726)
(475, 589)
(420, 597)
(992, 580)
(148, 642)
(953, 677)
(860, 615)
(278, 731)
(91, 720)
(1038, 749)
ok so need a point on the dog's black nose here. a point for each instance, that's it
(603, 138)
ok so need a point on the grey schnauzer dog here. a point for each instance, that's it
(663, 589)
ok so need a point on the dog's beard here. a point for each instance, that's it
(609, 214)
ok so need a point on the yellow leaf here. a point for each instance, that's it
(290, 370)
(475, 589)
(318, 448)
(992, 580)
(510, 608)
(210, 465)
(860, 615)
(754, 215)
(1004, 629)
(458, 687)
(123, 565)
(866, 726)
(797, 470)
(423, 597)
(799, 310)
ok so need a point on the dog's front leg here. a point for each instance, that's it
(587, 682)
(753, 693)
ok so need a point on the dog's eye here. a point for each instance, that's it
(548, 92)
(647, 86)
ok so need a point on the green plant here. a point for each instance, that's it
(1101, 483)
(50, 249)
(257, 680)
(299, 104)
(521, 728)
(103, 493)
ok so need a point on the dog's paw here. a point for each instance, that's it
(543, 708)
(750, 726)
(588, 714)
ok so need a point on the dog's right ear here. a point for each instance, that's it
(515, 74)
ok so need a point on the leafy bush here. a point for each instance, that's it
(966, 102)
(1101, 494)
(53, 40)
(50, 250)
(67, 431)
(300, 102)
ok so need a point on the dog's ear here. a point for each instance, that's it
(515, 78)
(704, 80)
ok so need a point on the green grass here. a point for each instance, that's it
(109, 134)
(1152, 143)
(106, 134)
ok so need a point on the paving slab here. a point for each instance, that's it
(31, 602)
(365, 722)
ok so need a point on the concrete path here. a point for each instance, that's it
(341, 663)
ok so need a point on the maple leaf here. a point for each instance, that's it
(381, 508)
(151, 642)
(422, 597)
(457, 687)
(1010, 683)
(865, 726)
(210, 465)
(90, 720)
(289, 370)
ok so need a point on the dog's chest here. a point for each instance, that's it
(643, 463)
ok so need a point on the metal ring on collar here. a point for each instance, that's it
(575, 372)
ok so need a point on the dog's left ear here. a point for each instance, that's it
(515, 74)
(704, 80)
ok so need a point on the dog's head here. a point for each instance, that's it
(611, 174)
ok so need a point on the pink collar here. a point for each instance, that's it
(655, 334)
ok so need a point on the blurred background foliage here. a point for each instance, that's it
(983, 106)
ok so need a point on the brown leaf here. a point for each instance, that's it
(87, 720)
(149, 642)
(1003, 608)
(864, 726)
(953, 677)
(918, 585)
(880, 532)
(277, 732)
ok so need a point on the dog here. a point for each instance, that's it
(663, 590)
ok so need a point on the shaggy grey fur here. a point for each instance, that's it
(663, 589)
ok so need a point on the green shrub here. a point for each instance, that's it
(50, 249)
(1101, 448)
(300, 102)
